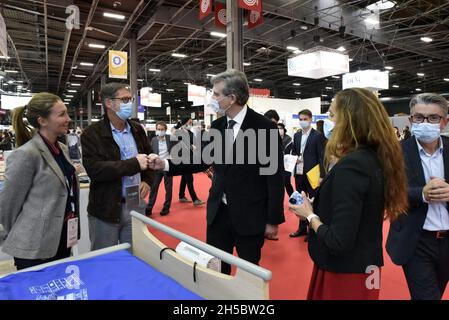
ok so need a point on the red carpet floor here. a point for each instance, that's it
(287, 258)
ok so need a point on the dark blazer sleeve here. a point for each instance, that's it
(320, 152)
(100, 169)
(295, 149)
(275, 185)
(349, 186)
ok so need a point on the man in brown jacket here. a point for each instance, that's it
(115, 153)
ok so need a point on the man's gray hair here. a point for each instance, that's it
(430, 98)
(110, 91)
(235, 82)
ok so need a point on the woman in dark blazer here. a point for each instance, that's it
(366, 185)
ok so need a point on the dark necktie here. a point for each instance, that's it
(231, 124)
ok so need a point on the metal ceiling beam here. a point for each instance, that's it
(80, 44)
(19, 62)
(46, 40)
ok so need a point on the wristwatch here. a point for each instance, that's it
(310, 217)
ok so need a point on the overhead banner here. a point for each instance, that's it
(252, 5)
(254, 19)
(118, 64)
(254, 92)
(3, 38)
(220, 15)
(149, 99)
(368, 79)
(205, 8)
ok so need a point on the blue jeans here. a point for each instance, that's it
(105, 234)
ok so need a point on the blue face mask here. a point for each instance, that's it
(215, 105)
(426, 132)
(328, 127)
(126, 111)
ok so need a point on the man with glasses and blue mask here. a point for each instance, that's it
(419, 240)
(115, 155)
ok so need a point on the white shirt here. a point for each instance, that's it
(304, 138)
(239, 120)
(163, 149)
(433, 166)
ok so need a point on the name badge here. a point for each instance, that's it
(72, 232)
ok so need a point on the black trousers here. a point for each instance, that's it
(168, 182)
(63, 252)
(222, 235)
(187, 179)
(302, 184)
(287, 182)
(427, 272)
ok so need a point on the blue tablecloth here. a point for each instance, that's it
(114, 276)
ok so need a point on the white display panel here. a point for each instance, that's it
(10, 102)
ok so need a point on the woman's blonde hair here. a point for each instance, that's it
(363, 121)
(39, 106)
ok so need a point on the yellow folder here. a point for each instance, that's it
(313, 175)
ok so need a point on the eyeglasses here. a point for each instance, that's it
(433, 118)
(124, 99)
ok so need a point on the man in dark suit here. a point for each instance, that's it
(161, 145)
(419, 240)
(245, 203)
(308, 144)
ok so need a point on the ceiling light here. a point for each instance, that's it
(98, 104)
(3, 57)
(350, 59)
(170, 90)
(154, 70)
(304, 27)
(341, 49)
(11, 71)
(426, 39)
(381, 5)
(72, 91)
(336, 77)
(446, 79)
(297, 92)
(418, 89)
(75, 84)
(113, 16)
(297, 51)
(296, 84)
(210, 75)
(324, 95)
(79, 76)
(218, 34)
(258, 80)
(140, 80)
(69, 96)
(292, 48)
(389, 68)
(86, 64)
(178, 55)
(395, 86)
(420, 74)
(246, 64)
(11, 81)
(385, 99)
(97, 46)
(182, 107)
(329, 88)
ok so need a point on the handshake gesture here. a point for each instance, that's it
(151, 161)
(436, 190)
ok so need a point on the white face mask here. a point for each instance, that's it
(215, 105)
(160, 133)
(304, 124)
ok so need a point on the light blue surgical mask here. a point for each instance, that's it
(126, 111)
(328, 127)
(304, 124)
(426, 132)
(215, 105)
